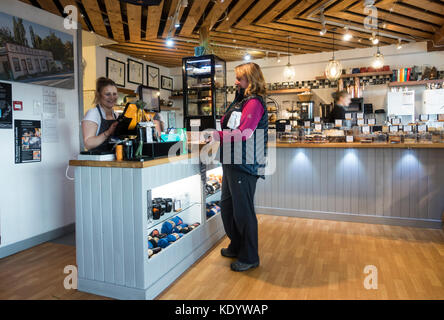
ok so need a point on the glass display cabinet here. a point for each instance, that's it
(204, 91)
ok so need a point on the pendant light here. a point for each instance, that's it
(288, 71)
(333, 69)
(378, 59)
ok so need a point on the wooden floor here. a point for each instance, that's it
(300, 259)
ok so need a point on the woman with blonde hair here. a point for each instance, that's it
(245, 124)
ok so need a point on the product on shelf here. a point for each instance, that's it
(409, 137)
(153, 251)
(213, 208)
(366, 138)
(174, 236)
(394, 138)
(217, 177)
(380, 137)
(212, 186)
(425, 137)
(168, 226)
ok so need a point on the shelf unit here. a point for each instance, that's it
(288, 91)
(414, 83)
(360, 75)
(214, 197)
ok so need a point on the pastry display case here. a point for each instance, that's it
(204, 91)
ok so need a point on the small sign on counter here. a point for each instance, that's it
(422, 128)
(371, 122)
(349, 139)
(394, 129)
(361, 122)
(407, 128)
(348, 116)
(338, 123)
(360, 115)
(317, 119)
(318, 127)
(366, 129)
(307, 124)
(424, 117)
(287, 128)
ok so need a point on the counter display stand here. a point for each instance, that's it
(113, 222)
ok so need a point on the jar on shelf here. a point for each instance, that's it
(437, 134)
(380, 137)
(366, 138)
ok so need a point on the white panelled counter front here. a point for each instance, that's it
(113, 224)
(373, 183)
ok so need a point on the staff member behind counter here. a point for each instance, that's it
(342, 101)
(99, 123)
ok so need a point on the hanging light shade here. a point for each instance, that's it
(333, 70)
(288, 70)
(378, 60)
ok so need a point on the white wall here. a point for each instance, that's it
(309, 66)
(102, 53)
(36, 197)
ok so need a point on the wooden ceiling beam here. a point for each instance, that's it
(416, 14)
(169, 21)
(297, 10)
(238, 9)
(216, 12)
(431, 6)
(95, 16)
(134, 14)
(253, 13)
(275, 11)
(438, 37)
(194, 15)
(49, 6)
(152, 26)
(115, 19)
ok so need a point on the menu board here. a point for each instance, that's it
(28, 141)
(5, 106)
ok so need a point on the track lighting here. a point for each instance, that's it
(323, 31)
(278, 59)
(399, 45)
(169, 42)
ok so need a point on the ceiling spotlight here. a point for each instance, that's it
(399, 45)
(278, 59)
(347, 35)
(184, 3)
(177, 23)
(384, 25)
(247, 57)
(323, 31)
(375, 41)
(359, 40)
(169, 42)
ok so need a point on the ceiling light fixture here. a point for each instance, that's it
(278, 59)
(247, 57)
(333, 69)
(288, 70)
(347, 36)
(323, 29)
(399, 45)
(169, 42)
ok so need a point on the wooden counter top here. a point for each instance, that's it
(127, 164)
(361, 145)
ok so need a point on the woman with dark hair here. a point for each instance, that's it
(100, 122)
(342, 100)
(245, 123)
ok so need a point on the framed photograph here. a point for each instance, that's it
(153, 76)
(167, 83)
(115, 70)
(135, 72)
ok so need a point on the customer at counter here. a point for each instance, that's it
(99, 123)
(342, 100)
(241, 122)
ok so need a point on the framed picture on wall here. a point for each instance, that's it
(167, 83)
(153, 76)
(115, 70)
(135, 72)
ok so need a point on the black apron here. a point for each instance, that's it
(104, 125)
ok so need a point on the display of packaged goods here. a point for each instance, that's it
(437, 134)
(379, 137)
(409, 137)
(366, 138)
(425, 137)
(287, 137)
(395, 138)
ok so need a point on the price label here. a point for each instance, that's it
(361, 122)
(194, 122)
(440, 117)
(394, 129)
(307, 124)
(338, 123)
(318, 127)
(366, 129)
(424, 117)
(407, 128)
(422, 128)
(317, 119)
(287, 128)
(396, 121)
(349, 139)
(385, 129)
(348, 116)
(371, 122)
(360, 115)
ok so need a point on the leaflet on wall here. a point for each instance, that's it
(28, 143)
(5, 106)
(35, 54)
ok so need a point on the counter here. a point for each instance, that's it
(113, 224)
(399, 184)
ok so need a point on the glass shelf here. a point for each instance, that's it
(168, 216)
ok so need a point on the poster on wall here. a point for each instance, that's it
(5, 106)
(28, 141)
(35, 54)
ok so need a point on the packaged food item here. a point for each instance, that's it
(380, 137)
(366, 138)
(394, 137)
(424, 137)
(409, 137)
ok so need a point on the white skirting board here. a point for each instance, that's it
(349, 217)
(214, 231)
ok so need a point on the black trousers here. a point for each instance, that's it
(238, 215)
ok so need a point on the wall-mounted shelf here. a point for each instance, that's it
(414, 83)
(360, 75)
(288, 91)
